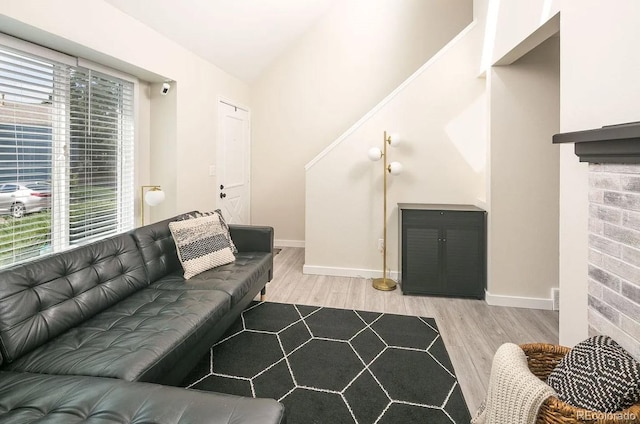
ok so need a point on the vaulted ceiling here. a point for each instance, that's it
(242, 37)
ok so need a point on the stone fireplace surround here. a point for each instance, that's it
(613, 282)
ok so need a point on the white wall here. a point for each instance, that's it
(97, 31)
(164, 111)
(351, 59)
(517, 20)
(445, 158)
(524, 177)
(597, 75)
(440, 116)
(142, 150)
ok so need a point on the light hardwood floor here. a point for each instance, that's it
(471, 329)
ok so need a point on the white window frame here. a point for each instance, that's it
(60, 162)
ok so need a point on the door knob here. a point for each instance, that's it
(223, 195)
(221, 187)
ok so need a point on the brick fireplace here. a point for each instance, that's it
(614, 253)
(613, 282)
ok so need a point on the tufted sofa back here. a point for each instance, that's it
(43, 298)
(158, 248)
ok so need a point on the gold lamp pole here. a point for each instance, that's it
(394, 168)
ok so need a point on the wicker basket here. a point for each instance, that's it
(542, 360)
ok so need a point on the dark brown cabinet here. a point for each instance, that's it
(443, 250)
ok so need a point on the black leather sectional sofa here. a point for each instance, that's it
(83, 333)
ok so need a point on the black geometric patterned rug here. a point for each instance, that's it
(336, 366)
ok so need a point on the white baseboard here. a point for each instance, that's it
(518, 301)
(346, 272)
(288, 243)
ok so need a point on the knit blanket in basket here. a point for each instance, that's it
(515, 394)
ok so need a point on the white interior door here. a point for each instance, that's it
(234, 166)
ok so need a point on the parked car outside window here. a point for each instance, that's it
(18, 199)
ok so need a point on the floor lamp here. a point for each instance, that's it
(153, 197)
(394, 168)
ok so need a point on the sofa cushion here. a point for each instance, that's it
(202, 244)
(252, 238)
(44, 298)
(138, 339)
(158, 249)
(32, 398)
(235, 278)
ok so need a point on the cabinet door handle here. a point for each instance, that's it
(444, 239)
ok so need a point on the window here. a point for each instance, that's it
(9, 188)
(66, 155)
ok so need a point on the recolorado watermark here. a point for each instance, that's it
(595, 416)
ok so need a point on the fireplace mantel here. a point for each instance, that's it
(609, 144)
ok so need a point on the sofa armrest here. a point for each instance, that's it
(252, 238)
(32, 398)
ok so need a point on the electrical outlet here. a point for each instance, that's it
(380, 245)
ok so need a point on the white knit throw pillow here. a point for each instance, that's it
(201, 244)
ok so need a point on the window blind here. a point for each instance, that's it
(66, 155)
(100, 155)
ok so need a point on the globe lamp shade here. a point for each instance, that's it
(394, 139)
(395, 168)
(154, 197)
(374, 154)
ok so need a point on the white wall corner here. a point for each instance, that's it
(555, 296)
(288, 243)
(346, 272)
(518, 301)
